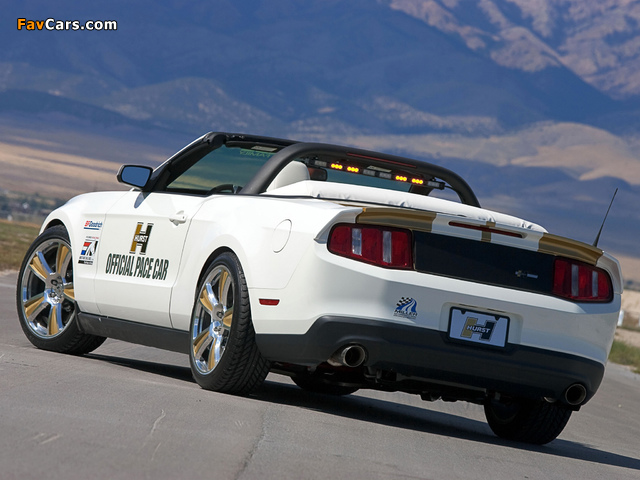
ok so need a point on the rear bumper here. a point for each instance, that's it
(428, 355)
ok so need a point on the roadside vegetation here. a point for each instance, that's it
(29, 208)
(625, 354)
(15, 238)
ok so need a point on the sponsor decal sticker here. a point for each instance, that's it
(137, 266)
(474, 327)
(88, 250)
(253, 153)
(136, 263)
(479, 327)
(406, 308)
(91, 225)
(141, 238)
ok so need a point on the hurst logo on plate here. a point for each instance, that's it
(478, 327)
(473, 327)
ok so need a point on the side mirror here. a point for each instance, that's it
(134, 175)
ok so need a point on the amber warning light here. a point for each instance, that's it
(373, 171)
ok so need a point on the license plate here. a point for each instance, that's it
(478, 327)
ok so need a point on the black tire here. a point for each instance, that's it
(318, 384)
(528, 421)
(223, 353)
(45, 296)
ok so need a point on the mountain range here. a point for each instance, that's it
(392, 66)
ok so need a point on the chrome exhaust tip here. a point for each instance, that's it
(348, 356)
(575, 394)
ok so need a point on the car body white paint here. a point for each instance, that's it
(308, 280)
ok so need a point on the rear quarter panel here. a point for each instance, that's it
(268, 235)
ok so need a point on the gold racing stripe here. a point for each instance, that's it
(413, 220)
(423, 221)
(486, 235)
(566, 247)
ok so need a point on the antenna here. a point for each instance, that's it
(595, 243)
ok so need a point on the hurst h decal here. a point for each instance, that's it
(472, 326)
(136, 263)
(141, 238)
(479, 327)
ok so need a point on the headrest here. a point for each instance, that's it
(292, 173)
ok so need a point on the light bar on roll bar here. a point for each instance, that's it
(373, 171)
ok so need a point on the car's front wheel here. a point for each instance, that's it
(528, 421)
(223, 354)
(46, 298)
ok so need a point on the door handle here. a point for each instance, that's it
(178, 218)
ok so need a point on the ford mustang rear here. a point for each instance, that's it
(342, 268)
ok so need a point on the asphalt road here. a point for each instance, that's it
(134, 412)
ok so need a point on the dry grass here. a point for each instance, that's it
(625, 354)
(15, 238)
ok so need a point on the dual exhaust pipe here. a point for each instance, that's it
(348, 356)
(355, 355)
(575, 394)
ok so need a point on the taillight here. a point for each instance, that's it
(581, 282)
(382, 246)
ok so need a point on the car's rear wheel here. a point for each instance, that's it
(45, 296)
(224, 356)
(528, 421)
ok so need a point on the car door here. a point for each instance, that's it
(144, 232)
(141, 248)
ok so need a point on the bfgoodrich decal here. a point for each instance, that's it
(91, 225)
(137, 266)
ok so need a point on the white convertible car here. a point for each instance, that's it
(342, 268)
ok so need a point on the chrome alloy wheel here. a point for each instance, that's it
(47, 296)
(213, 316)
